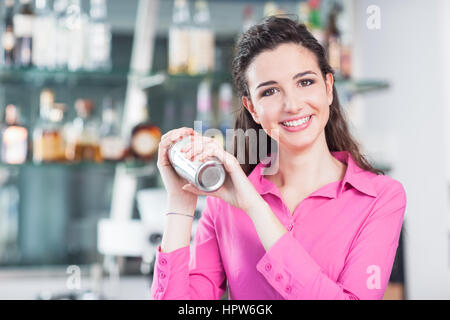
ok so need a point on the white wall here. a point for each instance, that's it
(411, 51)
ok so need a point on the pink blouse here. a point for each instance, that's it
(341, 244)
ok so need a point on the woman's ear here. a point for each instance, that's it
(329, 84)
(249, 106)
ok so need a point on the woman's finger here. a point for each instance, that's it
(193, 151)
(228, 160)
(192, 189)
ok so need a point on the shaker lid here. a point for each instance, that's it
(211, 176)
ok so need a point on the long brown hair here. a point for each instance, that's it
(267, 35)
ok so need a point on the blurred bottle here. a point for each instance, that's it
(333, 40)
(8, 37)
(112, 145)
(248, 18)
(202, 46)
(48, 135)
(77, 23)
(23, 30)
(204, 105)
(145, 138)
(315, 21)
(270, 8)
(43, 35)
(303, 13)
(99, 45)
(226, 117)
(83, 136)
(14, 138)
(9, 221)
(205, 113)
(179, 38)
(61, 43)
(346, 38)
(170, 115)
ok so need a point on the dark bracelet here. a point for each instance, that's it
(181, 214)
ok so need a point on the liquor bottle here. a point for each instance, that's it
(145, 138)
(248, 19)
(14, 138)
(303, 13)
(170, 115)
(83, 136)
(8, 37)
(43, 35)
(48, 136)
(179, 38)
(346, 38)
(99, 43)
(77, 22)
(204, 105)
(333, 40)
(61, 43)
(201, 48)
(205, 113)
(23, 30)
(270, 8)
(315, 21)
(112, 145)
(226, 117)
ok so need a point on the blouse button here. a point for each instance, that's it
(278, 277)
(290, 227)
(163, 262)
(288, 289)
(161, 289)
(268, 267)
(162, 275)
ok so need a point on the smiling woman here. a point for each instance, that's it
(270, 60)
(323, 225)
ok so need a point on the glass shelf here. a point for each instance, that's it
(82, 78)
(119, 77)
(361, 86)
(352, 86)
(34, 76)
(135, 168)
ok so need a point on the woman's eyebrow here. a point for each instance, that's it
(266, 83)
(298, 75)
(301, 74)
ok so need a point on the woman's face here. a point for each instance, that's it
(289, 97)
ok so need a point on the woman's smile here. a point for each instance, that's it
(297, 125)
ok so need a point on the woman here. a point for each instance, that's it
(323, 225)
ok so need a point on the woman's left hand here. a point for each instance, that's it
(237, 189)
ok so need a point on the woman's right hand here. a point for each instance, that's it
(172, 181)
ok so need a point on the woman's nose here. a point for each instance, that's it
(292, 105)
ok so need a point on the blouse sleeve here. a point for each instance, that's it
(289, 268)
(200, 276)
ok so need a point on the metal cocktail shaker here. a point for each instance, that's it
(207, 176)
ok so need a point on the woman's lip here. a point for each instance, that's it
(298, 128)
(295, 119)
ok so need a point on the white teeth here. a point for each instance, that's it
(296, 123)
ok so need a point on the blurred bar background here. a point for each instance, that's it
(87, 91)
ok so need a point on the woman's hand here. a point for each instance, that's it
(172, 181)
(237, 189)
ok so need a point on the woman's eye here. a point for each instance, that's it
(268, 92)
(305, 83)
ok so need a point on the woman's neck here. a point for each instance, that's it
(313, 167)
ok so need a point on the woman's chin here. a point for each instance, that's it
(296, 145)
